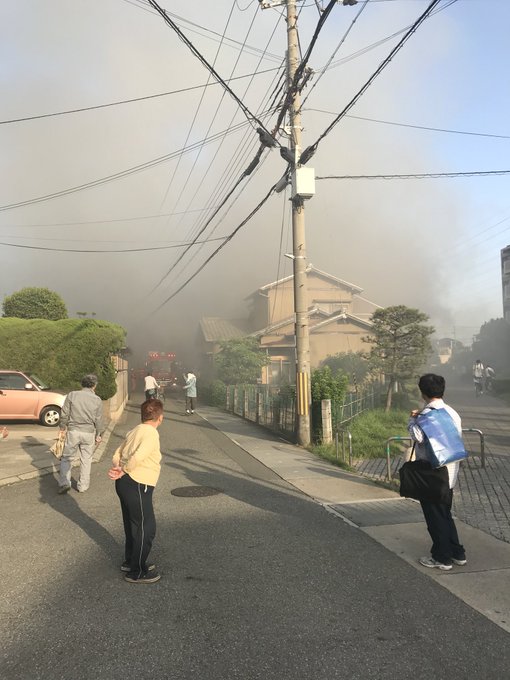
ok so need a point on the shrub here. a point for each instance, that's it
(62, 352)
(35, 303)
(214, 393)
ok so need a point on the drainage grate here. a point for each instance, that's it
(381, 513)
(195, 491)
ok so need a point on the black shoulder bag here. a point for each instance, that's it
(419, 480)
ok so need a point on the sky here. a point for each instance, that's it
(433, 244)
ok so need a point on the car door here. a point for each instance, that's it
(15, 400)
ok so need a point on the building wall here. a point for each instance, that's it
(335, 338)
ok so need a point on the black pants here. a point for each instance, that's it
(139, 522)
(443, 532)
(190, 403)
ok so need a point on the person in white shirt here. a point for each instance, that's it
(490, 374)
(4, 432)
(150, 386)
(446, 548)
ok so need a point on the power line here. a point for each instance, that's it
(123, 173)
(382, 41)
(409, 125)
(199, 226)
(310, 150)
(126, 250)
(226, 240)
(134, 99)
(249, 48)
(108, 221)
(197, 111)
(342, 40)
(423, 175)
(166, 17)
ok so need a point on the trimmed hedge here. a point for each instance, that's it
(62, 352)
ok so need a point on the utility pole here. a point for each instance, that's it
(303, 391)
(303, 187)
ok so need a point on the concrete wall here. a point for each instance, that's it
(115, 406)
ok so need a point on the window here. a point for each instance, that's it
(506, 291)
(506, 266)
(12, 381)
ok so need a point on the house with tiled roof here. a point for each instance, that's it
(339, 317)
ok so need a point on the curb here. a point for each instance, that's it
(55, 467)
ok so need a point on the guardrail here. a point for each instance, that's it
(482, 443)
(388, 457)
(410, 440)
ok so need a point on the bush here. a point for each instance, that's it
(62, 352)
(370, 431)
(214, 393)
(35, 303)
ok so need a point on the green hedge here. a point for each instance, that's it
(62, 352)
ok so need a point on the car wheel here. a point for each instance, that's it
(50, 416)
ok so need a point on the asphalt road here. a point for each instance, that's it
(258, 582)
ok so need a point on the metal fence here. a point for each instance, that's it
(264, 405)
(275, 408)
(354, 404)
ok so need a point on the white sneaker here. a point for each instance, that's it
(431, 563)
(459, 563)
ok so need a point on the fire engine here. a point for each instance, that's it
(163, 367)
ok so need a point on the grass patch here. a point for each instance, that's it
(328, 452)
(370, 431)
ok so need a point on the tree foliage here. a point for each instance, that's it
(240, 361)
(327, 386)
(62, 352)
(35, 303)
(354, 365)
(400, 343)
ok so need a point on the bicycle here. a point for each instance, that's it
(478, 387)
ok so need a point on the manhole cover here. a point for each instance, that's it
(195, 491)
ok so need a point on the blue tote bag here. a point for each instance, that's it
(444, 443)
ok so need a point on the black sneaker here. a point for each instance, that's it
(63, 489)
(149, 577)
(125, 566)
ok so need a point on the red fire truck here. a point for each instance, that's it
(163, 367)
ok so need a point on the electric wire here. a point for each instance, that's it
(310, 150)
(342, 40)
(105, 221)
(423, 175)
(197, 28)
(285, 210)
(409, 125)
(104, 252)
(219, 248)
(166, 17)
(197, 111)
(199, 227)
(134, 99)
(123, 173)
(382, 41)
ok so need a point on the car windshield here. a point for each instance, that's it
(38, 382)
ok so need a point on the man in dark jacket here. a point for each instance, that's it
(82, 415)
